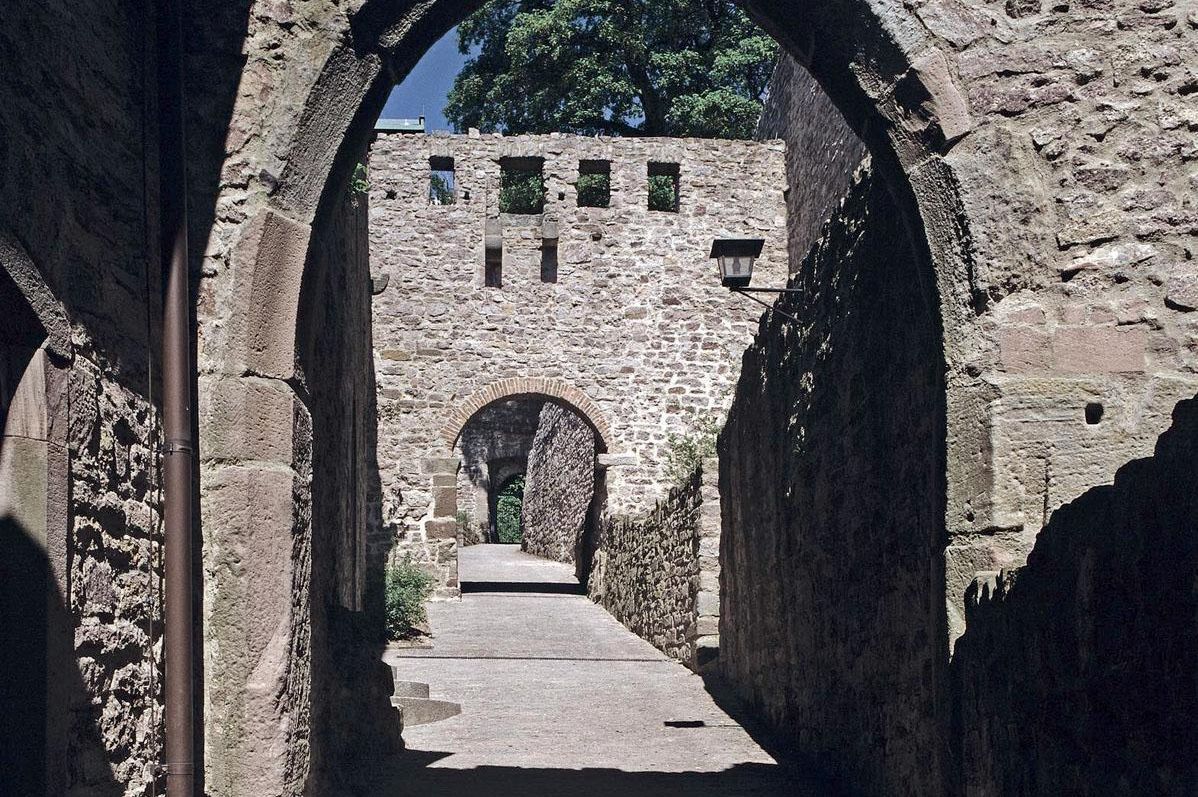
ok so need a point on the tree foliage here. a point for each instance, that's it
(615, 67)
(507, 511)
(521, 192)
(594, 190)
(440, 190)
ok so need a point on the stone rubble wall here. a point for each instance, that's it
(636, 321)
(832, 623)
(1081, 171)
(559, 486)
(821, 150)
(658, 573)
(1076, 672)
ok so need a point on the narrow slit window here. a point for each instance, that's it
(549, 261)
(521, 186)
(442, 182)
(664, 186)
(594, 184)
(493, 269)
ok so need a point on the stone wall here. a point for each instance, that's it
(78, 208)
(1076, 672)
(634, 321)
(821, 150)
(832, 622)
(559, 486)
(658, 573)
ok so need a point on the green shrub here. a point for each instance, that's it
(687, 452)
(507, 511)
(359, 184)
(407, 588)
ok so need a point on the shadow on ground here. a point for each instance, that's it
(413, 773)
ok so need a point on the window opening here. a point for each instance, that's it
(521, 186)
(442, 182)
(664, 186)
(594, 184)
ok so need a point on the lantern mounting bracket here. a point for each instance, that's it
(746, 291)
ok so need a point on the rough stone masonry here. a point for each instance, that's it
(617, 309)
(1043, 158)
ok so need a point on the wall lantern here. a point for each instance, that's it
(736, 257)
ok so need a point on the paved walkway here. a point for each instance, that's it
(560, 699)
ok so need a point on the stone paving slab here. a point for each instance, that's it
(559, 698)
(508, 564)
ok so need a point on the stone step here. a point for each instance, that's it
(423, 710)
(409, 688)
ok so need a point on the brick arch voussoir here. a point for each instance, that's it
(517, 386)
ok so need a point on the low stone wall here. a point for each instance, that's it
(559, 485)
(1076, 674)
(659, 574)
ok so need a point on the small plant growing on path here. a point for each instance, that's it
(687, 451)
(407, 588)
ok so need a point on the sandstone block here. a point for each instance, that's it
(1099, 350)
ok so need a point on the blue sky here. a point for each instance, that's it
(424, 90)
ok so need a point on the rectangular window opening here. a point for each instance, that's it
(442, 184)
(594, 184)
(664, 179)
(521, 185)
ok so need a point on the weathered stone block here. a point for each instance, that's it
(246, 418)
(1098, 349)
(441, 528)
(268, 268)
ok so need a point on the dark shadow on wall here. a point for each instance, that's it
(413, 773)
(352, 717)
(1078, 673)
(214, 40)
(588, 545)
(832, 490)
(39, 673)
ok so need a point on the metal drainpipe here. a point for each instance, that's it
(179, 450)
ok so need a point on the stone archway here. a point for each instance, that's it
(519, 387)
(879, 64)
(488, 439)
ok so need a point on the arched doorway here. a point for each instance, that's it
(535, 447)
(887, 79)
(507, 502)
